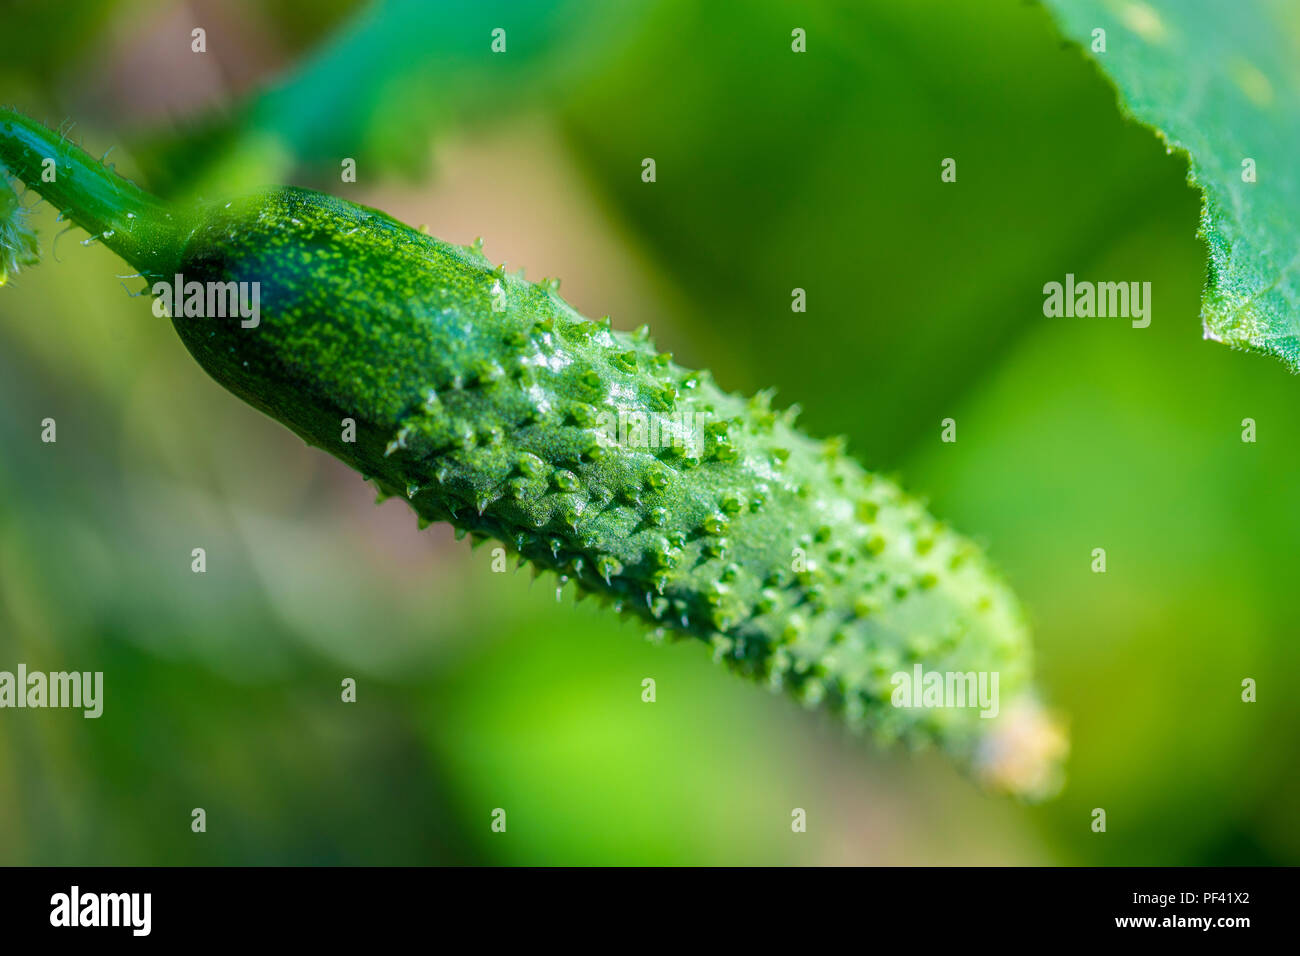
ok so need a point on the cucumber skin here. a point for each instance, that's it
(485, 419)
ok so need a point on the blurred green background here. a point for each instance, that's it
(476, 690)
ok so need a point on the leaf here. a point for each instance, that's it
(1220, 82)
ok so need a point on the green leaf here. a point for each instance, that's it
(1220, 82)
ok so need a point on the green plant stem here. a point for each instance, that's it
(131, 222)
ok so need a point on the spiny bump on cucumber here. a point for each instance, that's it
(488, 402)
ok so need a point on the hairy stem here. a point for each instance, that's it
(131, 222)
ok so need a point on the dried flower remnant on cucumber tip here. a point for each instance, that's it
(483, 400)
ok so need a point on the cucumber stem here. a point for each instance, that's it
(130, 221)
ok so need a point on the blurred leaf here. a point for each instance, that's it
(302, 23)
(218, 690)
(1082, 438)
(40, 40)
(821, 171)
(1220, 81)
(587, 771)
(379, 89)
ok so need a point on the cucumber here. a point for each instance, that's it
(486, 401)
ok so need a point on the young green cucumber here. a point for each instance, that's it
(487, 402)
